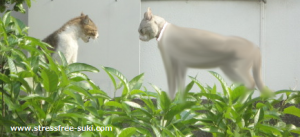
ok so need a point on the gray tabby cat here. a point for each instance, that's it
(65, 38)
(183, 48)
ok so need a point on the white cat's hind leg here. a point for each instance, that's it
(180, 77)
(239, 74)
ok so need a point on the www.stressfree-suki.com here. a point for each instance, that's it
(61, 128)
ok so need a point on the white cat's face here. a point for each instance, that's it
(148, 28)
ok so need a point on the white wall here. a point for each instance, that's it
(274, 27)
(117, 21)
(282, 44)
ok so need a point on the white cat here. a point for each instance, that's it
(65, 39)
(183, 48)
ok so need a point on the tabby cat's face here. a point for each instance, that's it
(89, 28)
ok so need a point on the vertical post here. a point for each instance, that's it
(262, 34)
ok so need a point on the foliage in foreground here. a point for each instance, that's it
(62, 95)
(17, 5)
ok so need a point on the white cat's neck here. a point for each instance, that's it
(162, 31)
(71, 32)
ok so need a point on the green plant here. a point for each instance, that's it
(236, 113)
(231, 113)
(17, 5)
(162, 117)
(56, 94)
(293, 98)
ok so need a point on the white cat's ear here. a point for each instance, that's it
(86, 19)
(148, 14)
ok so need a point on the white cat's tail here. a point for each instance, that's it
(256, 70)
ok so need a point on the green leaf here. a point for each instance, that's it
(144, 112)
(178, 132)
(156, 131)
(25, 74)
(126, 109)
(4, 78)
(19, 53)
(11, 65)
(268, 129)
(63, 58)
(136, 82)
(28, 2)
(168, 133)
(25, 84)
(86, 134)
(132, 104)
(108, 71)
(50, 80)
(212, 97)
(6, 18)
(203, 90)
(292, 110)
(77, 76)
(127, 132)
(259, 105)
(113, 72)
(11, 106)
(144, 131)
(294, 98)
(137, 91)
(113, 104)
(19, 8)
(163, 100)
(104, 96)
(18, 25)
(285, 91)
(76, 96)
(177, 109)
(189, 87)
(64, 81)
(296, 131)
(259, 116)
(12, 40)
(79, 89)
(78, 67)
(149, 104)
(211, 129)
(70, 115)
(36, 97)
(237, 93)
(223, 83)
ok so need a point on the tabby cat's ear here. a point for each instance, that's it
(86, 19)
(82, 14)
(148, 14)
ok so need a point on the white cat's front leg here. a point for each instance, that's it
(170, 71)
(74, 57)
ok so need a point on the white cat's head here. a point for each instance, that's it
(150, 26)
(88, 27)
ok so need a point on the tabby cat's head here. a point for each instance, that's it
(88, 27)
